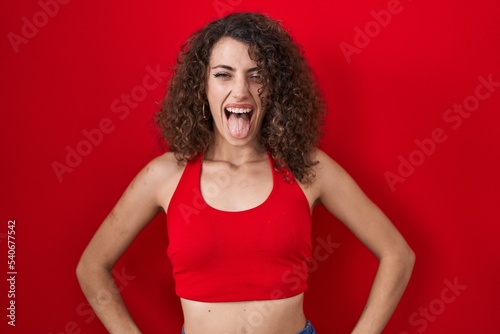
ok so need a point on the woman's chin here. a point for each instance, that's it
(238, 139)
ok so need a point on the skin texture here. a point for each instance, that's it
(250, 183)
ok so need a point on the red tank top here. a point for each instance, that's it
(261, 253)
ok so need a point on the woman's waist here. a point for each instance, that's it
(262, 316)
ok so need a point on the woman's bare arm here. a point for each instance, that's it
(140, 203)
(339, 193)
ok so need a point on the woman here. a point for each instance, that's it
(242, 117)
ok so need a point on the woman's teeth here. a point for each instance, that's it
(238, 112)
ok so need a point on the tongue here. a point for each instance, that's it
(238, 125)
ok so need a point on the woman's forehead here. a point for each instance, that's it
(230, 52)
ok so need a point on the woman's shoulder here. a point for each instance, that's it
(164, 166)
(161, 171)
(323, 159)
(167, 159)
(159, 178)
(326, 168)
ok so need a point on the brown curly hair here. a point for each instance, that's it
(294, 108)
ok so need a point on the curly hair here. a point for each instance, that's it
(294, 108)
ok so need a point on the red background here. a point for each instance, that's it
(396, 89)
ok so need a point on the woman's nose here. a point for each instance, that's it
(240, 88)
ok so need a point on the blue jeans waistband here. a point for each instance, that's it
(309, 329)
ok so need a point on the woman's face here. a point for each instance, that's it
(233, 87)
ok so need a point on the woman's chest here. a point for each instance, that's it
(230, 189)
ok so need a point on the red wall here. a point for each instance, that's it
(395, 75)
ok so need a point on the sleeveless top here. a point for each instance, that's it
(262, 253)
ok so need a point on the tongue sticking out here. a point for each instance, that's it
(238, 124)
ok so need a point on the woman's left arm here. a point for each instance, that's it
(342, 197)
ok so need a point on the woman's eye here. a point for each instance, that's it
(221, 75)
(256, 78)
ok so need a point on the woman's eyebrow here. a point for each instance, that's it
(232, 69)
(226, 67)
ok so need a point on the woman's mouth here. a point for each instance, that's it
(239, 119)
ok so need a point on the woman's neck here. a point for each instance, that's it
(236, 155)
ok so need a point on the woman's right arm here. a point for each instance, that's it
(140, 203)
